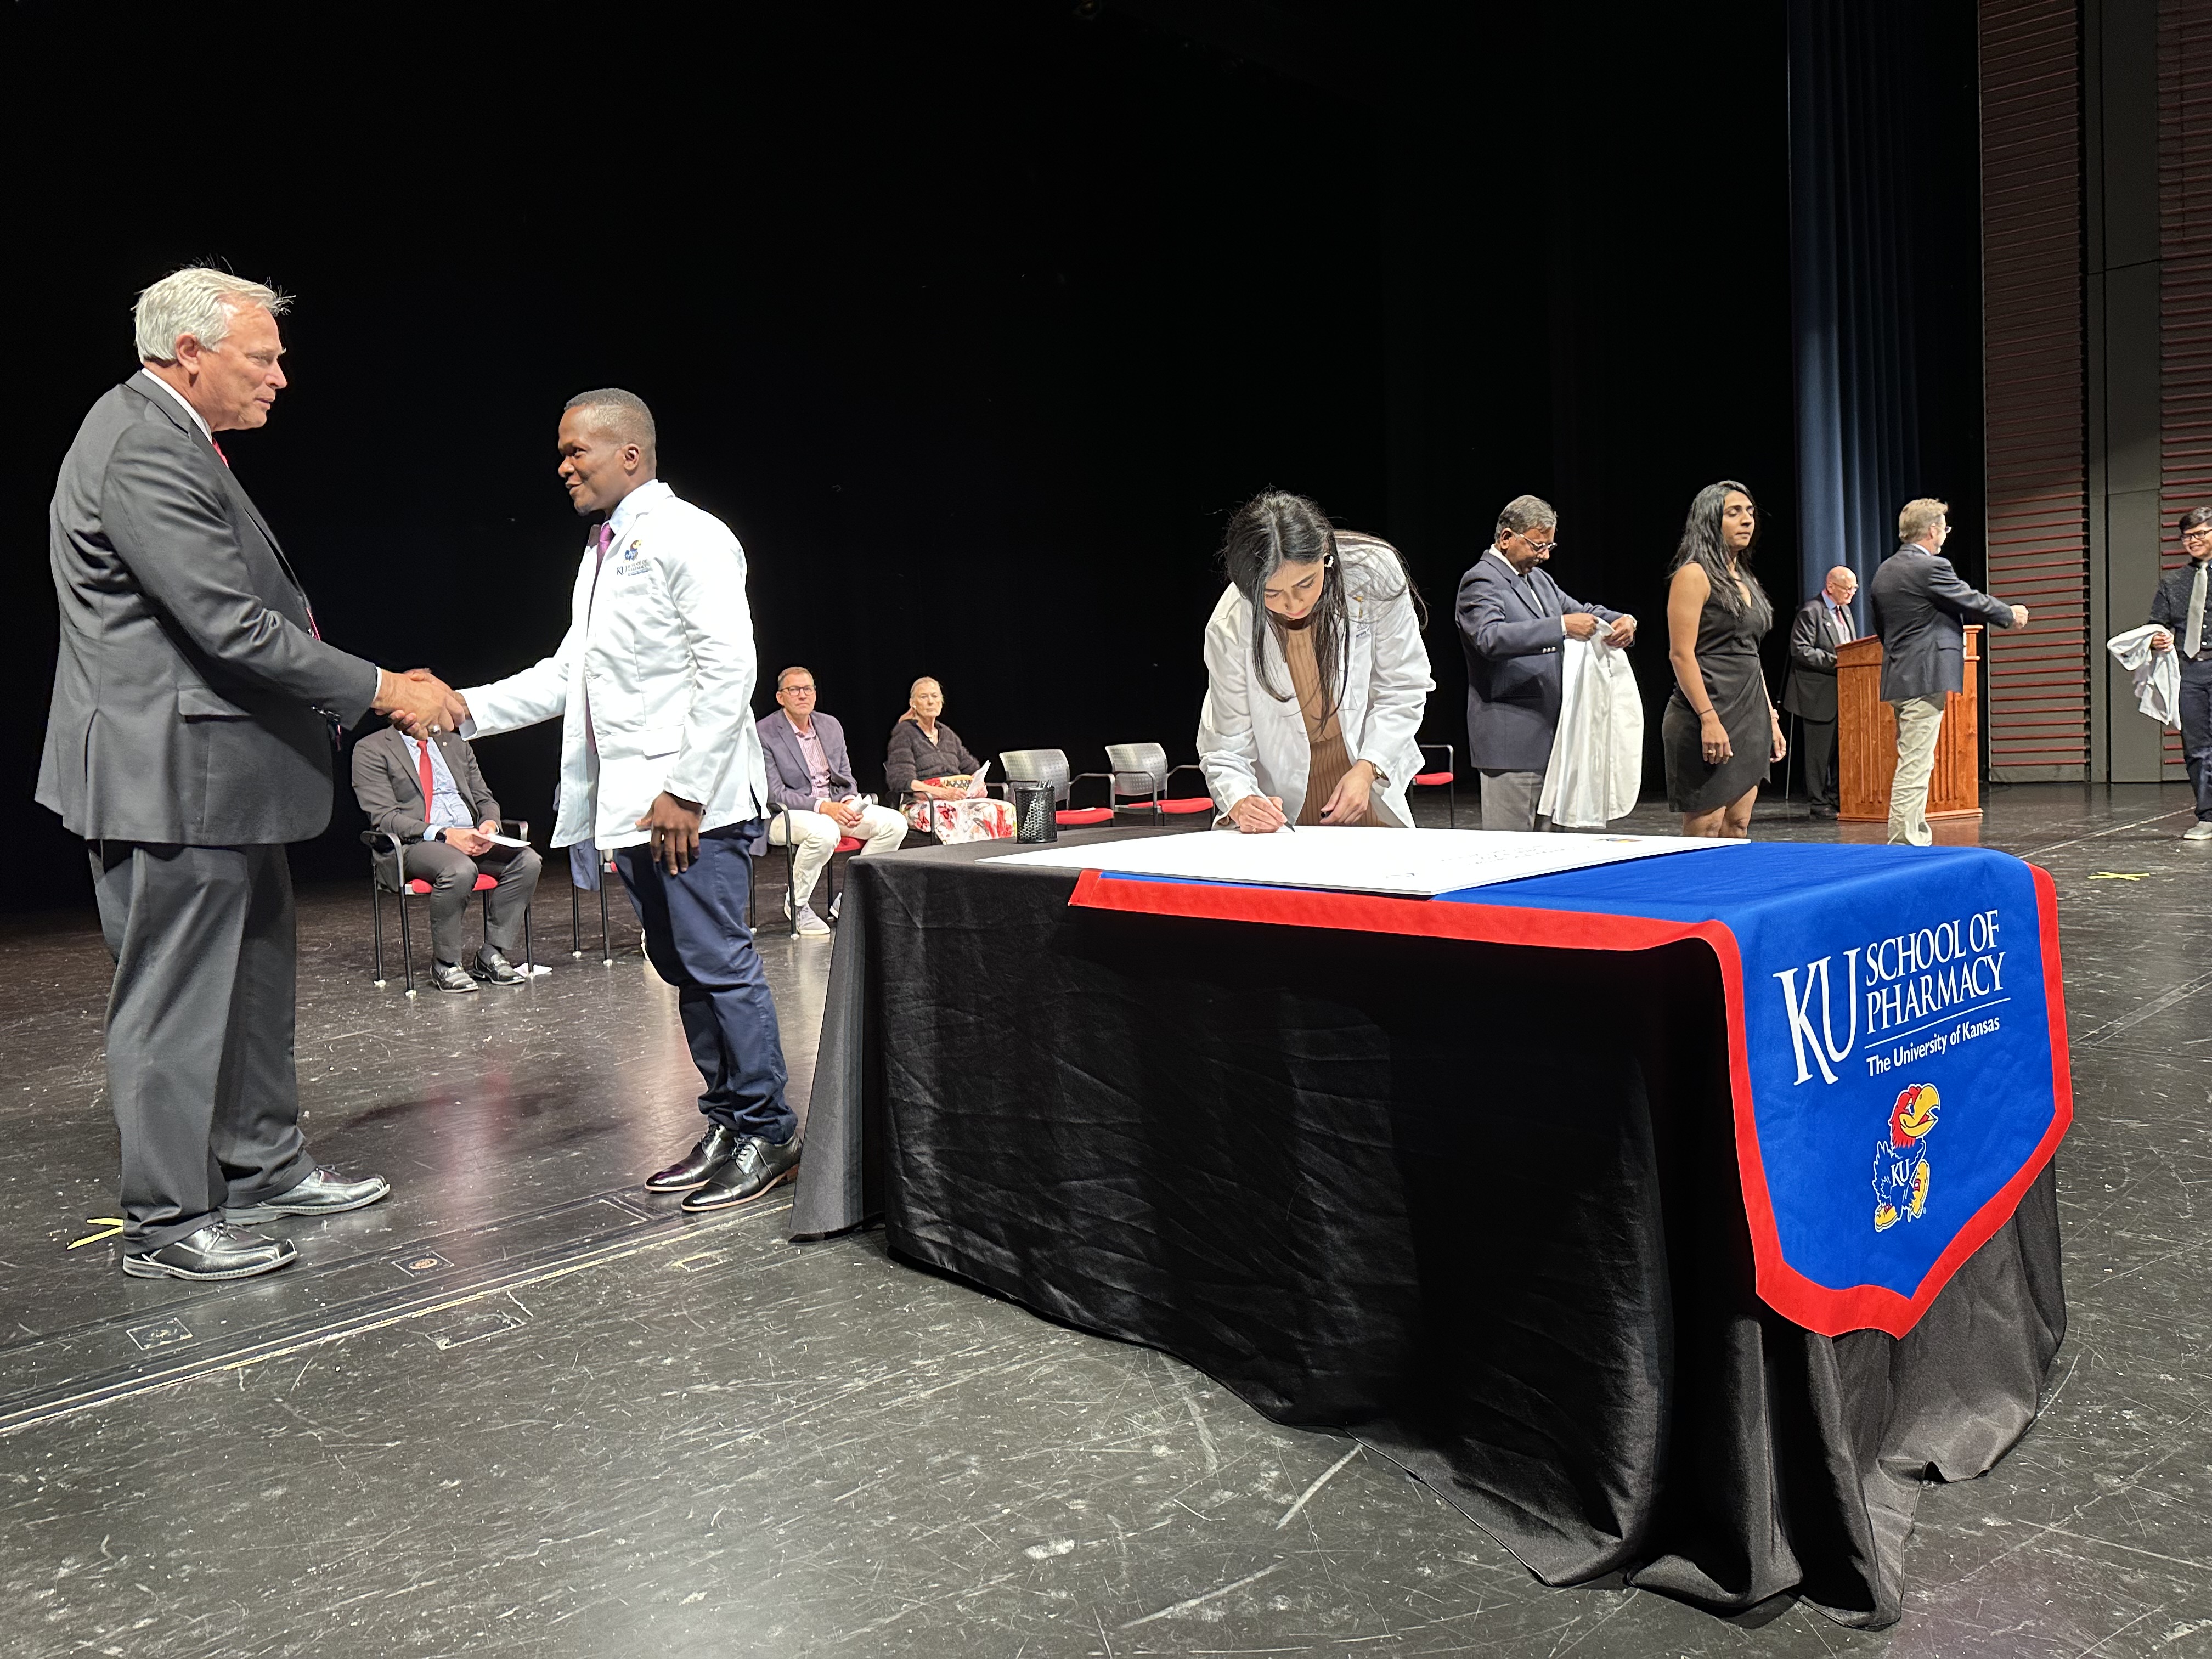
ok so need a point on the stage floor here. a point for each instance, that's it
(523, 1407)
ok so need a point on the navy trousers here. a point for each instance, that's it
(695, 936)
(2196, 730)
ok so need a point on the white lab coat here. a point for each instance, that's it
(1596, 768)
(653, 681)
(1251, 744)
(2157, 674)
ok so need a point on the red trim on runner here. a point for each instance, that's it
(1824, 1308)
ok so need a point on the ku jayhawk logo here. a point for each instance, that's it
(1900, 1160)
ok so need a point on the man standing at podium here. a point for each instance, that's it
(1921, 608)
(2183, 611)
(1823, 623)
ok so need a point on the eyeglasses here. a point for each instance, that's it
(1534, 545)
(2198, 534)
(799, 690)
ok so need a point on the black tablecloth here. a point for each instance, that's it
(1476, 1204)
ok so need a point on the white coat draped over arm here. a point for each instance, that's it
(1250, 743)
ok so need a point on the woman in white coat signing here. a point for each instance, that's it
(1316, 675)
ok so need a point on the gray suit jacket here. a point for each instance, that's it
(1511, 643)
(1811, 694)
(192, 702)
(387, 781)
(1921, 609)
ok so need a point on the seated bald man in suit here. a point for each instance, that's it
(447, 845)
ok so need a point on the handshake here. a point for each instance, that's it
(419, 702)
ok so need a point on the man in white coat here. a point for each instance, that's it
(660, 764)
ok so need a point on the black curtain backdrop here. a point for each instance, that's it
(973, 321)
(1886, 273)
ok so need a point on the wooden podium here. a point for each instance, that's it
(1866, 739)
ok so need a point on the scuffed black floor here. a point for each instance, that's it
(523, 1408)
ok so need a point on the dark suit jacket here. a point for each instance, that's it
(1811, 694)
(387, 781)
(192, 702)
(1921, 609)
(2169, 609)
(1511, 643)
(786, 766)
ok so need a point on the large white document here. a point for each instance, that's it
(1415, 863)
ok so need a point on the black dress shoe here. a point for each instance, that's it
(218, 1250)
(756, 1166)
(493, 967)
(451, 976)
(325, 1192)
(693, 1169)
(1822, 809)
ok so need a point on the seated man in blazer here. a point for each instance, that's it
(431, 795)
(1512, 617)
(810, 774)
(1823, 623)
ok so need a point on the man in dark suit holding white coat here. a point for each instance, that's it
(1512, 617)
(190, 737)
(1920, 607)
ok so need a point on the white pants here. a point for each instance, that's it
(1919, 722)
(818, 836)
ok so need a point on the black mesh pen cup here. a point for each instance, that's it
(1034, 816)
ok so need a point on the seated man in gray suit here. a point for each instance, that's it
(1512, 617)
(429, 793)
(1921, 608)
(810, 774)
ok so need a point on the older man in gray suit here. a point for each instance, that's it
(190, 736)
(1512, 617)
(1921, 608)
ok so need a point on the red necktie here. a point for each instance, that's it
(218, 455)
(430, 786)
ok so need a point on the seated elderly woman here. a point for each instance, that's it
(927, 761)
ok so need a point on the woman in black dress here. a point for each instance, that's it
(1720, 733)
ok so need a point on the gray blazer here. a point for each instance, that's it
(387, 781)
(786, 766)
(1921, 609)
(1811, 694)
(1511, 637)
(192, 702)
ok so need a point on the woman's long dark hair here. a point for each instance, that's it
(1275, 528)
(1701, 545)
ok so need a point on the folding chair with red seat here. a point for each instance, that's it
(1141, 772)
(1441, 778)
(383, 845)
(1049, 767)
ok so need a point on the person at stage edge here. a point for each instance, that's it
(1512, 618)
(810, 776)
(2179, 609)
(660, 761)
(1823, 623)
(1921, 608)
(192, 736)
(429, 794)
(1720, 733)
(1311, 714)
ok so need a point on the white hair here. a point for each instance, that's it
(200, 302)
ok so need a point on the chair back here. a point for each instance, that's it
(1138, 768)
(1046, 766)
